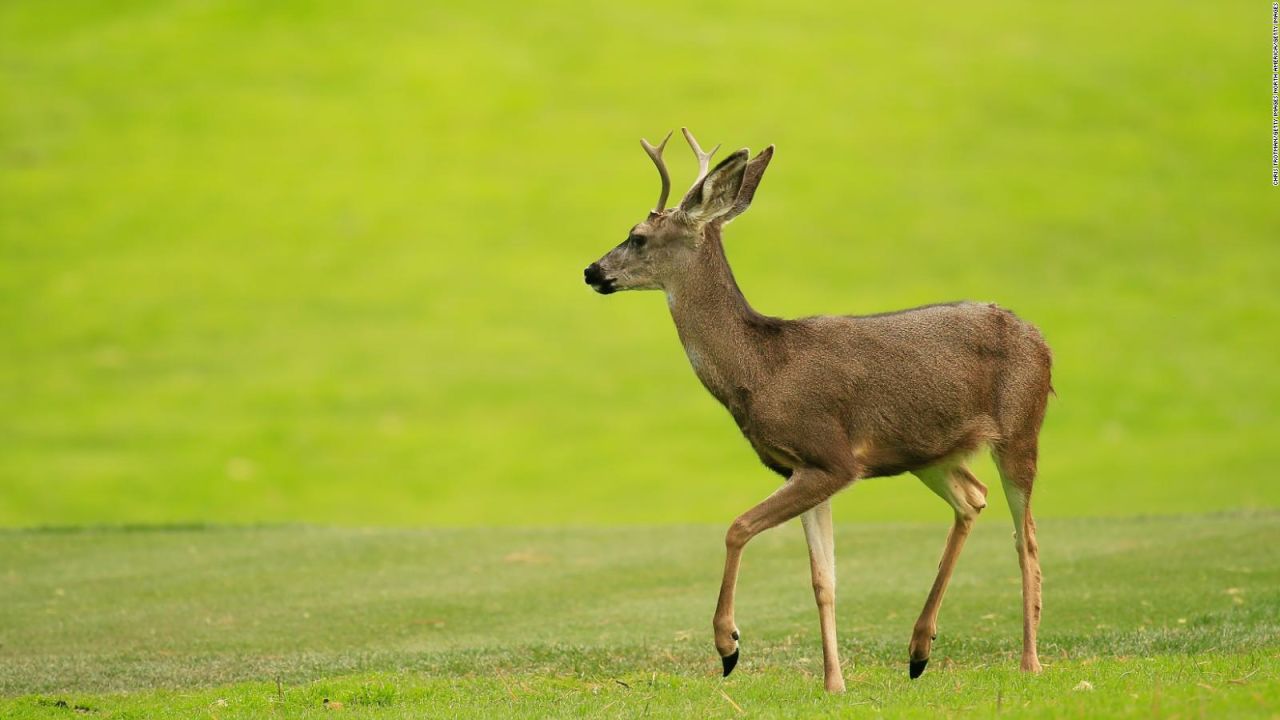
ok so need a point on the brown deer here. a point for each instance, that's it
(827, 400)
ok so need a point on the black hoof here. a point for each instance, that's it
(730, 662)
(917, 668)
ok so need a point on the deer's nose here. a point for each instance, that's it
(595, 277)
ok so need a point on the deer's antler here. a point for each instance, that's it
(704, 159)
(655, 154)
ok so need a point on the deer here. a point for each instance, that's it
(828, 400)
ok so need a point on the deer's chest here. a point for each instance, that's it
(720, 380)
(768, 431)
(752, 400)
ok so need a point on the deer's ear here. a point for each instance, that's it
(715, 195)
(750, 181)
(727, 190)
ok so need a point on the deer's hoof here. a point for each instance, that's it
(916, 668)
(730, 662)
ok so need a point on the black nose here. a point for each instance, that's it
(595, 277)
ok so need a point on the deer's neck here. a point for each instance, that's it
(716, 324)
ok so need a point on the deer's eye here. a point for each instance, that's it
(637, 241)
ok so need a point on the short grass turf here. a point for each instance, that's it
(321, 262)
(1159, 616)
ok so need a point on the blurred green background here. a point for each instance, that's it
(322, 262)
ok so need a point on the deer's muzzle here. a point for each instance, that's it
(595, 277)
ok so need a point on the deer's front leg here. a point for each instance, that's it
(820, 536)
(807, 488)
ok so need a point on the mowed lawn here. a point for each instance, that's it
(1159, 616)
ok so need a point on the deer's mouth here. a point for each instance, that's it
(595, 277)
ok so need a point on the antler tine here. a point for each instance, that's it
(655, 154)
(704, 159)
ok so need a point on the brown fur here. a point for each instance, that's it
(827, 400)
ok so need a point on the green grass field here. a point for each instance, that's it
(306, 278)
(1162, 616)
(317, 263)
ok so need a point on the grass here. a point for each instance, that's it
(1157, 686)
(1158, 615)
(319, 263)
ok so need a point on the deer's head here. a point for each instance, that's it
(664, 246)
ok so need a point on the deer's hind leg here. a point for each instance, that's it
(1016, 461)
(967, 496)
